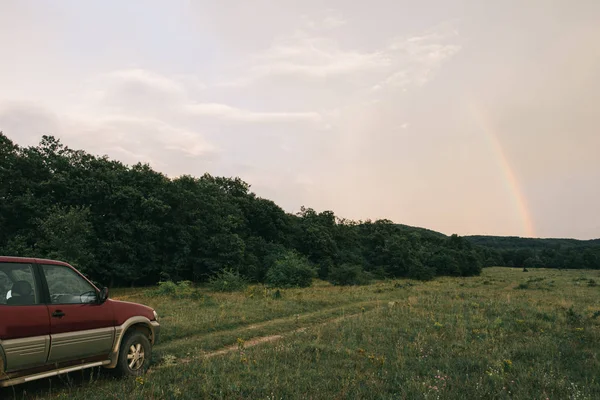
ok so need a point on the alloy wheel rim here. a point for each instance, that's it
(135, 356)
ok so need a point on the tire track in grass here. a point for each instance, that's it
(273, 323)
(258, 323)
(250, 343)
(257, 340)
(272, 338)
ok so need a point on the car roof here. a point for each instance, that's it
(27, 260)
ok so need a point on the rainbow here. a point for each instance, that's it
(483, 123)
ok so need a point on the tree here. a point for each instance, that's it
(66, 234)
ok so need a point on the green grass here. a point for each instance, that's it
(505, 334)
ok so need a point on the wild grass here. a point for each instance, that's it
(505, 334)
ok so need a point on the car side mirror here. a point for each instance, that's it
(103, 295)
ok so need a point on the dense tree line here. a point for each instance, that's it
(538, 253)
(131, 225)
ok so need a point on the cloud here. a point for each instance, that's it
(128, 138)
(331, 21)
(161, 133)
(144, 78)
(27, 121)
(412, 60)
(226, 112)
(419, 58)
(308, 56)
(304, 180)
(137, 91)
(317, 57)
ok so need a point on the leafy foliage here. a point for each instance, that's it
(421, 273)
(176, 290)
(66, 234)
(291, 270)
(537, 253)
(347, 275)
(228, 280)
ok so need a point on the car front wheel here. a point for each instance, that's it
(134, 355)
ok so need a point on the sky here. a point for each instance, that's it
(467, 117)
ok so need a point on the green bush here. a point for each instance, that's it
(180, 290)
(378, 273)
(348, 274)
(421, 272)
(291, 270)
(227, 280)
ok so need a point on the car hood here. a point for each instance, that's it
(124, 310)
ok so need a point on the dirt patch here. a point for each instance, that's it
(266, 339)
(249, 343)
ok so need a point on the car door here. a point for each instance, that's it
(24, 320)
(79, 326)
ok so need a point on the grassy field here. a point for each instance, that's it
(504, 334)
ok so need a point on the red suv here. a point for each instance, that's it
(53, 320)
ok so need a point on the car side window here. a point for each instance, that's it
(67, 287)
(5, 285)
(17, 285)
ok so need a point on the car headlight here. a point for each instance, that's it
(155, 315)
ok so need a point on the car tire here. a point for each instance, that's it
(134, 355)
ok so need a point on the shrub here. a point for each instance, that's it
(421, 272)
(180, 290)
(291, 270)
(166, 288)
(348, 274)
(227, 280)
(378, 273)
(592, 283)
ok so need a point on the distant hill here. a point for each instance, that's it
(516, 251)
(516, 242)
(424, 232)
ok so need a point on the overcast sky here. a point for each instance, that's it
(468, 117)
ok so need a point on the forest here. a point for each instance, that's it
(537, 253)
(133, 226)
